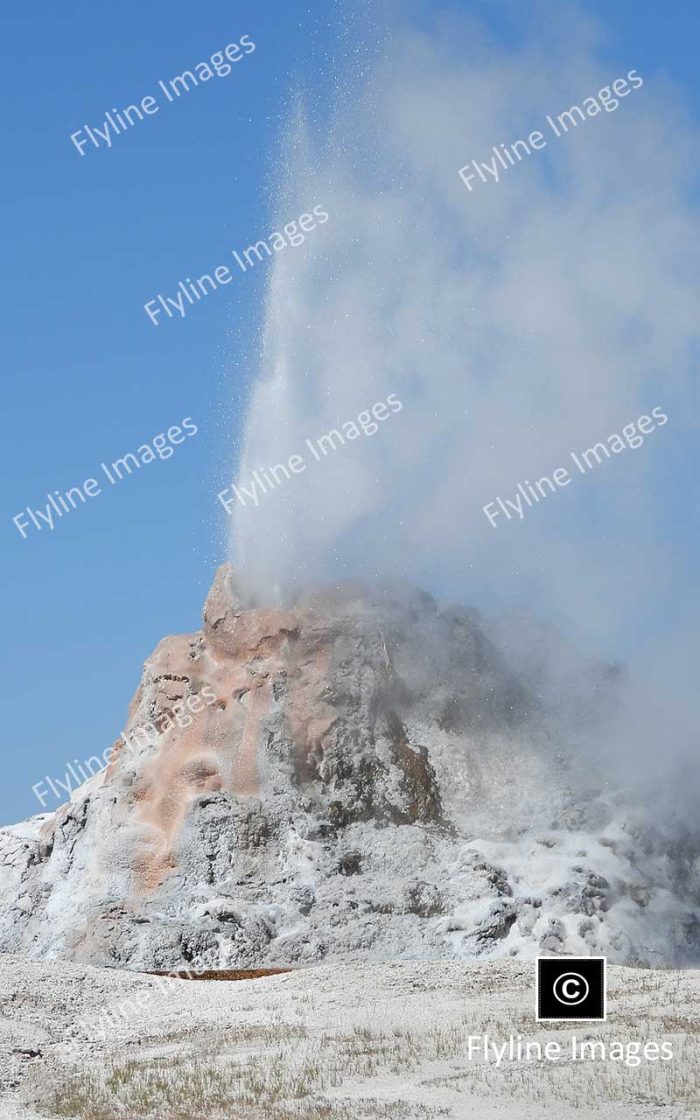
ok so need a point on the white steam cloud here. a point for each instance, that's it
(518, 322)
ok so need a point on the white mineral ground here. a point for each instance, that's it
(336, 1041)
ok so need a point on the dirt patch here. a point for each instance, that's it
(224, 974)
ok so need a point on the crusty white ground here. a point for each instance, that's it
(55, 1009)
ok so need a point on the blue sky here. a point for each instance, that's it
(87, 377)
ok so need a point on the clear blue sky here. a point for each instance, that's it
(88, 378)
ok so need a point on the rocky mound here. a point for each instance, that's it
(361, 776)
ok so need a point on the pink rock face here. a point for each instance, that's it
(227, 674)
(209, 696)
(231, 632)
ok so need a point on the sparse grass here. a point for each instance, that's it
(280, 1072)
(185, 1090)
(285, 1078)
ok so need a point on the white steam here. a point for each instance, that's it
(516, 323)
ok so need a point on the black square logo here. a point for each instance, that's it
(570, 988)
